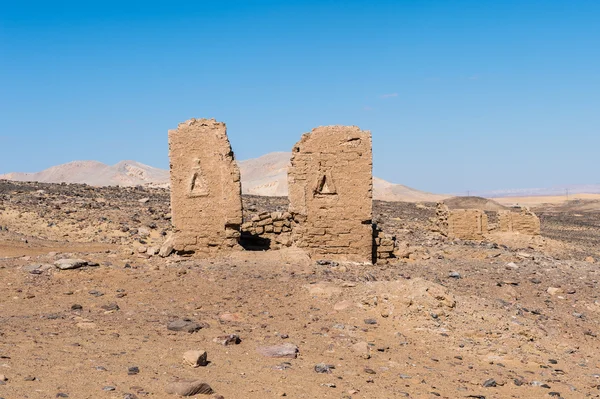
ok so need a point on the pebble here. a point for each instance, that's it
(286, 350)
(108, 388)
(454, 275)
(111, 307)
(67, 264)
(188, 388)
(195, 358)
(491, 383)
(370, 321)
(133, 370)
(186, 325)
(324, 368)
(231, 339)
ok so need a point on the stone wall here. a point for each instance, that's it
(384, 245)
(267, 230)
(330, 191)
(467, 224)
(205, 188)
(524, 222)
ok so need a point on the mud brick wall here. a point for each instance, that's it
(524, 222)
(206, 197)
(272, 229)
(384, 245)
(467, 224)
(330, 190)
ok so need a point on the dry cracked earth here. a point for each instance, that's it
(510, 317)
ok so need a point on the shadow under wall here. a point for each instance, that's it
(251, 242)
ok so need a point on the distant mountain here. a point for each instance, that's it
(266, 175)
(536, 192)
(124, 173)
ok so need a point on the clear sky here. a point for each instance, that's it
(459, 95)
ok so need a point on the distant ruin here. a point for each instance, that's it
(472, 224)
(206, 191)
(524, 222)
(330, 191)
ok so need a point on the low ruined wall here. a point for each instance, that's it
(524, 222)
(268, 230)
(384, 245)
(467, 224)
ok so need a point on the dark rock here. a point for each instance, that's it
(186, 325)
(324, 368)
(188, 388)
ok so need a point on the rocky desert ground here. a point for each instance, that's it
(89, 310)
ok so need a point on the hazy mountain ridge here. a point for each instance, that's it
(266, 175)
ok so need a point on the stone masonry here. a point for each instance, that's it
(524, 222)
(330, 191)
(467, 224)
(206, 197)
(472, 224)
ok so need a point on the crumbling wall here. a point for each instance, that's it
(524, 222)
(467, 224)
(267, 230)
(384, 245)
(206, 197)
(330, 191)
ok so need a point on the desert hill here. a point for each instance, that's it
(265, 176)
(124, 173)
(473, 203)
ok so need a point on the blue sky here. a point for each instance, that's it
(459, 95)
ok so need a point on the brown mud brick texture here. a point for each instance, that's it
(330, 191)
(205, 188)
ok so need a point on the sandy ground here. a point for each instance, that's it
(510, 317)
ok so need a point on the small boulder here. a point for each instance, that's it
(186, 325)
(66, 264)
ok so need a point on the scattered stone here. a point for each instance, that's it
(29, 378)
(370, 321)
(324, 368)
(186, 325)
(67, 264)
(111, 307)
(370, 371)
(143, 200)
(96, 293)
(167, 247)
(3, 378)
(133, 370)
(554, 291)
(454, 275)
(76, 307)
(231, 339)
(62, 395)
(491, 383)
(195, 358)
(188, 388)
(286, 350)
(108, 388)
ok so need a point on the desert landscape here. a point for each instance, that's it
(98, 301)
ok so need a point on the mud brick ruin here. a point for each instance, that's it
(524, 222)
(206, 197)
(330, 190)
(472, 224)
